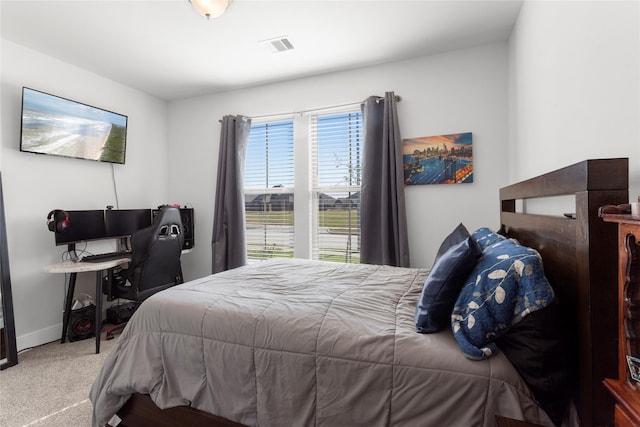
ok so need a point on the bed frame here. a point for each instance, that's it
(580, 259)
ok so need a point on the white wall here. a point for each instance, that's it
(35, 184)
(574, 82)
(460, 91)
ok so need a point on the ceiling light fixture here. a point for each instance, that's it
(210, 8)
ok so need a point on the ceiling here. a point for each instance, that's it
(164, 48)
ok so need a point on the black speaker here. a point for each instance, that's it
(188, 224)
(81, 323)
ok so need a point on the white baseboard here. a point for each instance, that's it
(39, 337)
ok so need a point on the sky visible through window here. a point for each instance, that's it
(269, 159)
(339, 139)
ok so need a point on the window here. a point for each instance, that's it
(269, 183)
(336, 141)
(326, 183)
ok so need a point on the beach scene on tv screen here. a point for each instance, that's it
(58, 126)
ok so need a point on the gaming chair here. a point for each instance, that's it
(155, 261)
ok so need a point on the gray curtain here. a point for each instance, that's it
(383, 222)
(228, 243)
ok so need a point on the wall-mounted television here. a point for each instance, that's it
(61, 127)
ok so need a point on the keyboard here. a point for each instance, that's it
(109, 256)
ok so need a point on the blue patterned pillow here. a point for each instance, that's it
(507, 284)
(486, 237)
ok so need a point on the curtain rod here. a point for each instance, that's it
(266, 116)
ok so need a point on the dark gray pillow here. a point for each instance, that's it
(459, 234)
(537, 347)
(454, 262)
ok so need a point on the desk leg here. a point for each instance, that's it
(67, 306)
(98, 325)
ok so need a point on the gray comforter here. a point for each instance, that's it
(303, 343)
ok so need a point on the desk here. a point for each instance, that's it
(74, 268)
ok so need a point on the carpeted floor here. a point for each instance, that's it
(50, 384)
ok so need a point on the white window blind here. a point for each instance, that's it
(269, 184)
(336, 157)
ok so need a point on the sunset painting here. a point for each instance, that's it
(442, 159)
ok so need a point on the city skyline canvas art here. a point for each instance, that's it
(439, 159)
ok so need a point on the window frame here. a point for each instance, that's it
(305, 204)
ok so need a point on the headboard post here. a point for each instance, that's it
(596, 252)
(580, 261)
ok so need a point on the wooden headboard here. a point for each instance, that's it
(580, 261)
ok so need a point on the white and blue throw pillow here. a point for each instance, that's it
(507, 284)
(486, 237)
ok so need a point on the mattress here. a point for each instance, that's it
(298, 343)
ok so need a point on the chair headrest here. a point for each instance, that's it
(169, 230)
(168, 215)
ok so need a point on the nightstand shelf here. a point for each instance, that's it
(625, 389)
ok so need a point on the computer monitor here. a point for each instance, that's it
(125, 222)
(83, 226)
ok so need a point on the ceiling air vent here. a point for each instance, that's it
(278, 44)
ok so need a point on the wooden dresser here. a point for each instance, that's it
(626, 389)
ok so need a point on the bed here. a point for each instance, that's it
(298, 342)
